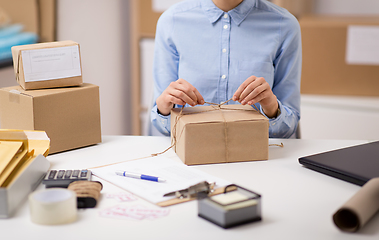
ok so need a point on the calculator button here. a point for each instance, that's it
(75, 174)
(60, 174)
(83, 174)
(68, 174)
(52, 174)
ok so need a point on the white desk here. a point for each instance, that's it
(297, 203)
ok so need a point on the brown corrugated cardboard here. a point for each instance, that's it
(233, 133)
(18, 64)
(70, 116)
(325, 70)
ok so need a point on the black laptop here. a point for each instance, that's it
(357, 164)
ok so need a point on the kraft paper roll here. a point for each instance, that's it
(87, 192)
(53, 206)
(358, 210)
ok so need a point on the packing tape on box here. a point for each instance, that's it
(359, 209)
(53, 206)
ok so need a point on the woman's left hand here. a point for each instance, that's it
(257, 90)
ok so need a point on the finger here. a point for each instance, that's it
(178, 93)
(259, 97)
(179, 90)
(241, 88)
(200, 99)
(175, 100)
(251, 92)
(190, 91)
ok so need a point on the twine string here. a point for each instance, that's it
(175, 137)
(215, 106)
(174, 140)
(277, 145)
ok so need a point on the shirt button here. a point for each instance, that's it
(223, 76)
(225, 15)
(224, 50)
(225, 26)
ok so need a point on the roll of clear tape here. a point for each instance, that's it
(53, 206)
(359, 209)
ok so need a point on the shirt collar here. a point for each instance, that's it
(238, 14)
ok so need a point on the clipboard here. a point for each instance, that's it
(178, 176)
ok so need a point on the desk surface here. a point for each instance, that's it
(297, 203)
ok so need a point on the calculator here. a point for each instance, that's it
(62, 178)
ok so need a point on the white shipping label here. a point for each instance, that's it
(362, 45)
(51, 63)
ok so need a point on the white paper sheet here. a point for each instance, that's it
(177, 175)
(51, 63)
(362, 46)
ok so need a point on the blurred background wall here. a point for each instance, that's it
(102, 29)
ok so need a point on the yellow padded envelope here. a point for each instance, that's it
(7, 151)
(30, 144)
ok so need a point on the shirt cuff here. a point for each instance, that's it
(161, 123)
(274, 122)
(274, 118)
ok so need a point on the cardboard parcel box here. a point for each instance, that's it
(69, 116)
(47, 65)
(231, 133)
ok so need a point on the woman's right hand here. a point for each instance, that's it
(179, 92)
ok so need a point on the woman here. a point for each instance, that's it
(247, 50)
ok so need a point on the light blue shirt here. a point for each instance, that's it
(216, 51)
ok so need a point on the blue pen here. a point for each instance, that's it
(140, 176)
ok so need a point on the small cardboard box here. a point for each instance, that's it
(325, 68)
(70, 116)
(47, 65)
(232, 133)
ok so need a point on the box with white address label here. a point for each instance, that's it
(47, 65)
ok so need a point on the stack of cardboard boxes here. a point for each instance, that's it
(51, 96)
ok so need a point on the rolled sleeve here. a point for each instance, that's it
(160, 122)
(282, 126)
